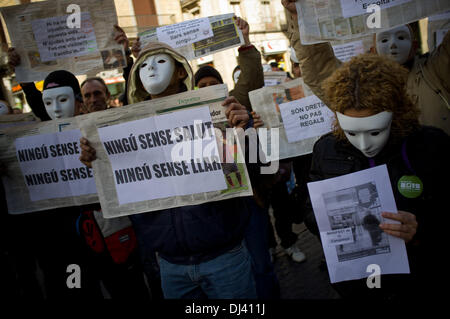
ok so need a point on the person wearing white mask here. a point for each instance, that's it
(206, 238)
(429, 75)
(378, 124)
(61, 95)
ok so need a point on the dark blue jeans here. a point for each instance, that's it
(256, 238)
(228, 276)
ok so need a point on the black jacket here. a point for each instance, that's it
(428, 152)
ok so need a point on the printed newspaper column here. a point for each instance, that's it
(348, 211)
(51, 167)
(141, 158)
(305, 118)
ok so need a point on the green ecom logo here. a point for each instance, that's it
(410, 186)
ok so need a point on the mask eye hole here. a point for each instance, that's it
(143, 65)
(351, 133)
(64, 99)
(161, 61)
(384, 40)
(48, 103)
(374, 133)
(401, 37)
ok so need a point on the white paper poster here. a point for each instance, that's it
(348, 211)
(305, 118)
(184, 33)
(51, 167)
(155, 158)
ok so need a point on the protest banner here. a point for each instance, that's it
(197, 38)
(77, 36)
(305, 118)
(348, 210)
(347, 20)
(43, 170)
(299, 115)
(165, 153)
(346, 51)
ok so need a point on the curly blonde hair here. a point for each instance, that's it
(369, 81)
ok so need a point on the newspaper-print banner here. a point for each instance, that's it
(198, 38)
(347, 20)
(43, 170)
(164, 153)
(286, 102)
(51, 167)
(305, 118)
(348, 211)
(142, 155)
(51, 36)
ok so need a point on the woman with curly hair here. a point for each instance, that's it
(376, 123)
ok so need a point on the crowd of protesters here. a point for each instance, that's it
(391, 107)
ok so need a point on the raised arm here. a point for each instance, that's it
(317, 61)
(252, 76)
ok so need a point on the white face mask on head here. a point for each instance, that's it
(59, 102)
(156, 71)
(368, 134)
(3, 109)
(395, 43)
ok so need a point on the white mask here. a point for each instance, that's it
(368, 134)
(156, 72)
(59, 102)
(236, 76)
(395, 43)
(3, 109)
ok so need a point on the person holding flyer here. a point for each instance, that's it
(377, 123)
(206, 239)
(428, 78)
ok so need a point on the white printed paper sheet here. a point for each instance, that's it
(141, 148)
(43, 170)
(198, 38)
(348, 211)
(47, 38)
(291, 98)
